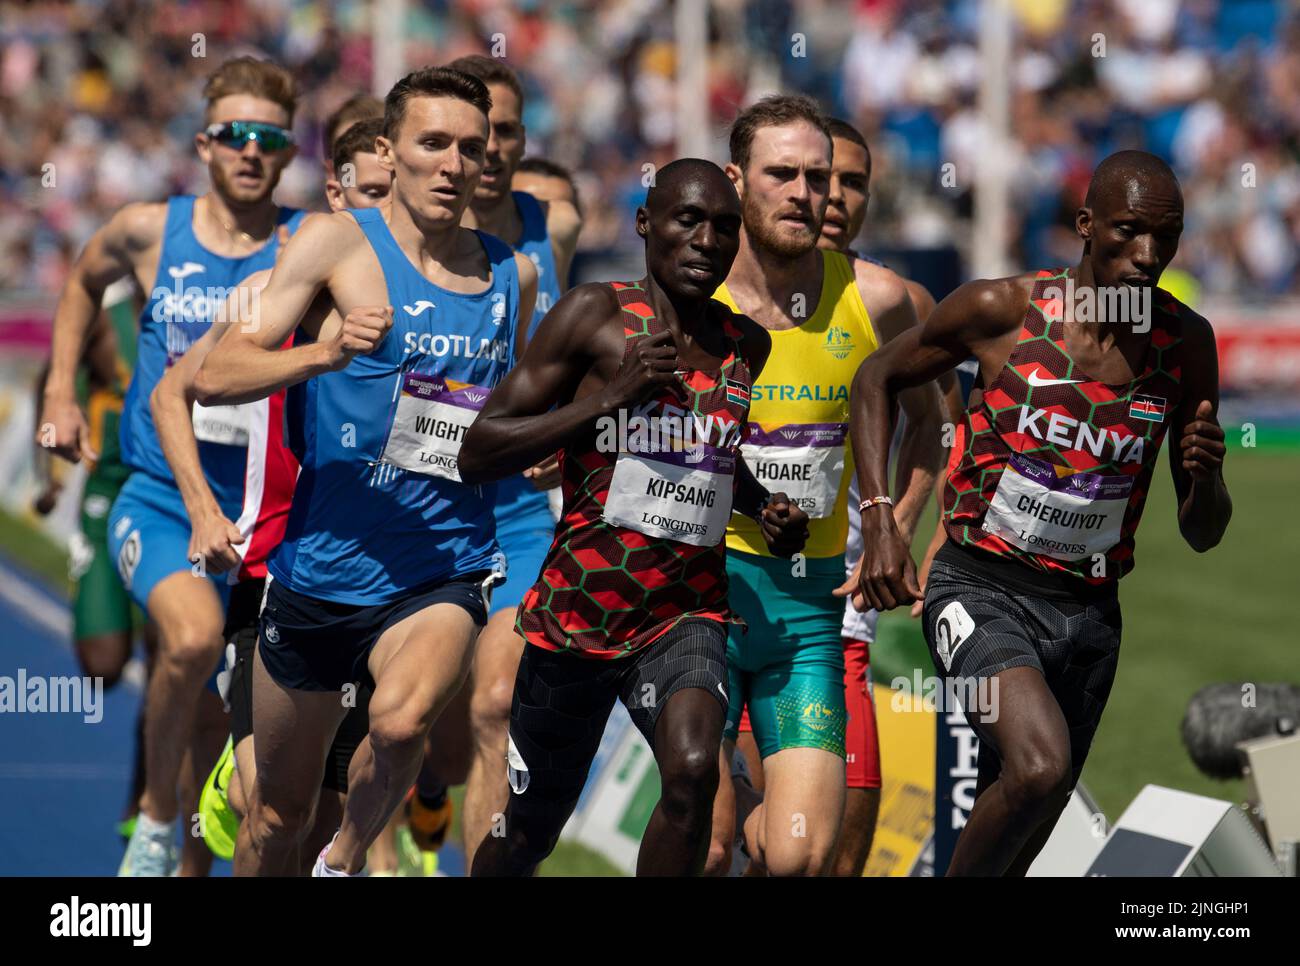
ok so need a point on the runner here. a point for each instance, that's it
(358, 107)
(547, 233)
(1045, 491)
(387, 555)
(546, 181)
(846, 212)
(104, 620)
(187, 253)
(826, 313)
(632, 587)
(240, 547)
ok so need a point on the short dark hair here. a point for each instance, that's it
(545, 166)
(358, 139)
(847, 132)
(433, 82)
(358, 107)
(490, 70)
(774, 110)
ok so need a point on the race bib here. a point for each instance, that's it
(227, 425)
(806, 461)
(683, 496)
(433, 415)
(1064, 517)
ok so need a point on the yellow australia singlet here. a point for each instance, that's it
(799, 413)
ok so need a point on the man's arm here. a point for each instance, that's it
(1196, 458)
(212, 535)
(920, 455)
(249, 364)
(517, 427)
(961, 325)
(109, 255)
(563, 225)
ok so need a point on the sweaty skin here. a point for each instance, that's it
(1130, 228)
(575, 362)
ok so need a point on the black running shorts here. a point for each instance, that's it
(561, 704)
(319, 645)
(981, 618)
(242, 618)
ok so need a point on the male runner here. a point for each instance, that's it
(387, 553)
(103, 617)
(826, 313)
(632, 600)
(846, 212)
(546, 181)
(1046, 488)
(358, 107)
(546, 232)
(187, 253)
(241, 547)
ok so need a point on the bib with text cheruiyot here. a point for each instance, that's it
(433, 415)
(1065, 517)
(683, 495)
(804, 460)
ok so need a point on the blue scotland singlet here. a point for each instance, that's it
(379, 511)
(192, 284)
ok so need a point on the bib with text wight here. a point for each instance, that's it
(1065, 517)
(803, 460)
(433, 415)
(683, 495)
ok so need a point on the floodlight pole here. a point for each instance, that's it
(989, 257)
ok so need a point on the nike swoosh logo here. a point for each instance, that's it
(418, 307)
(722, 692)
(1036, 380)
(185, 271)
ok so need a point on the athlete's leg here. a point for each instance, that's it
(687, 736)
(722, 831)
(190, 616)
(558, 714)
(496, 662)
(292, 731)
(1032, 739)
(748, 747)
(211, 726)
(801, 811)
(862, 796)
(417, 664)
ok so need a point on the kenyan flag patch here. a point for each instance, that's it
(1150, 408)
(737, 394)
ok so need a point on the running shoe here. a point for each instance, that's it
(151, 851)
(218, 821)
(322, 871)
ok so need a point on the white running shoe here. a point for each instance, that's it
(322, 871)
(151, 852)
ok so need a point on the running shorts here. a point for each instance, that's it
(983, 616)
(789, 667)
(561, 703)
(319, 645)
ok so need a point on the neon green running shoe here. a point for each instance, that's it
(220, 824)
(126, 828)
(412, 862)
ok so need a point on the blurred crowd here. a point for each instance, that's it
(100, 99)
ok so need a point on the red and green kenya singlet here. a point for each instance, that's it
(606, 590)
(1051, 467)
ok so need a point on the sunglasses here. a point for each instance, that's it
(235, 134)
